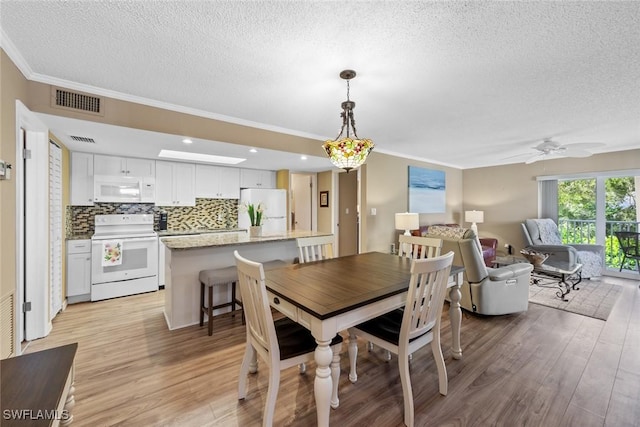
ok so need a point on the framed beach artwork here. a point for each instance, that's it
(427, 190)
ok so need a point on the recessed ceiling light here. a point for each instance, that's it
(187, 141)
(253, 150)
(199, 157)
(303, 157)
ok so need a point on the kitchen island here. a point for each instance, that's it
(186, 256)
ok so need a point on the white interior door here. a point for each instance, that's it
(32, 199)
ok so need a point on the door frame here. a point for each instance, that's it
(336, 209)
(32, 227)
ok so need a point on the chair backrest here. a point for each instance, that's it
(629, 243)
(315, 248)
(415, 247)
(425, 297)
(255, 304)
(541, 232)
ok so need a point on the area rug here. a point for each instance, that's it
(595, 298)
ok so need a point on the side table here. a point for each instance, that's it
(37, 388)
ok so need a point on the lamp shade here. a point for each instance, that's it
(407, 221)
(474, 216)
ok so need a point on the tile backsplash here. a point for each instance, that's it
(207, 213)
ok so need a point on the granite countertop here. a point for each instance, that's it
(222, 239)
(169, 233)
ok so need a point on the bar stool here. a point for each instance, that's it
(222, 277)
(217, 277)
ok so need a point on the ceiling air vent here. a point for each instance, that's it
(75, 101)
(83, 139)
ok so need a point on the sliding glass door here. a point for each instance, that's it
(592, 209)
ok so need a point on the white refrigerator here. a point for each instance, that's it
(274, 217)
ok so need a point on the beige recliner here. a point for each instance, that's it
(489, 291)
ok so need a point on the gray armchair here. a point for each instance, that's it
(542, 235)
(489, 291)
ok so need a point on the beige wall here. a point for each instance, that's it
(325, 183)
(386, 188)
(13, 86)
(509, 194)
(129, 114)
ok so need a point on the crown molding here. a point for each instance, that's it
(15, 55)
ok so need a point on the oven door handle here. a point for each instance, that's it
(128, 239)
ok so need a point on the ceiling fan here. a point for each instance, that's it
(552, 149)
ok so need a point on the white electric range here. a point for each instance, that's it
(124, 256)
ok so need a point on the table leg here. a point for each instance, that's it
(322, 387)
(455, 316)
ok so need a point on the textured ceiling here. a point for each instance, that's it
(465, 84)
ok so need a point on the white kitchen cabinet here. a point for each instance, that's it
(127, 166)
(175, 184)
(215, 182)
(256, 178)
(78, 270)
(81, 179)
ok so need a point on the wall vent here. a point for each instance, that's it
(7, 332)
(76, 101)
(83, 139)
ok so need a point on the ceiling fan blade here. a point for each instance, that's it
(571, 152)
(583, 145)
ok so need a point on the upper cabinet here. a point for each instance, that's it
(215, 182)
(127, 166)
(81, 179)
(175, 184)
(256, 178)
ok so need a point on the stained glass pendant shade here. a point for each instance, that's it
(348, 152)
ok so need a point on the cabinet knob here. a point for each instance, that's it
(276, 300)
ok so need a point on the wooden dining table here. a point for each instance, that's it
(332, 295)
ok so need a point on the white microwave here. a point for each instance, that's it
(124, 189)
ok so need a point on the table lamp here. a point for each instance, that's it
(474, 217)
(407, 222)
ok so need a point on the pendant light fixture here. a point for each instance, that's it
(349, 152)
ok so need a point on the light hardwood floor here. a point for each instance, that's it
(545, 367)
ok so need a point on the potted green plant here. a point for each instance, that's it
(255, 216)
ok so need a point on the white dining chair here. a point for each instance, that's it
(415, 247)
(419, 247)
(315, 248)
(280, 344)
(402, 332)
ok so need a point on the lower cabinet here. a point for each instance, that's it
(78, 271)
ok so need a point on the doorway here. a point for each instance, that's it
(348, 215)
(303, 201)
